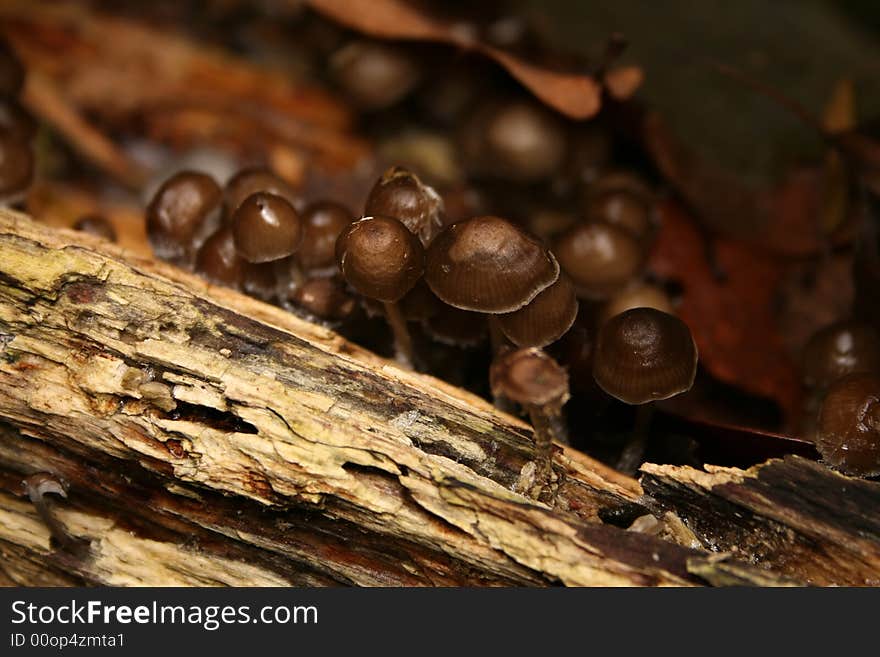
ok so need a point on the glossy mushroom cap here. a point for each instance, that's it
(514, 140)
(324, 298)
(644, 295)
(545, 319)
(218, 261)
(323, 221)
(380, 258)
(601, 259)
(15, 120)
(644, 355)
(16, 166)
(179, 211)
(842, 348)
(487, 264)
(402, 195)
(848, 435)
(252, 180)
(529, 377)
(373, 74)
(266, 227)
(621, 209)
(97, 225)
(11, 71)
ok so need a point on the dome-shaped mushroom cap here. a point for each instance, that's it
(842, 348)
(848, 435)
(545, 319)
(487, 264)
(529, 377)
(401, 194)
(179, 211)
(266, 227)
(380, 258)
(644, 355)
(252, 180)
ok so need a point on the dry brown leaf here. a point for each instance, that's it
(575, 95)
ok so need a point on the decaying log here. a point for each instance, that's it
(792, 516)
(210, 438)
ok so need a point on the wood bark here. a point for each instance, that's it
(208, 438)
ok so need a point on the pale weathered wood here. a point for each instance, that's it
(175, 408)
(792, 516)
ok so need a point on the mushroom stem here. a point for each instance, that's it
(633, 453)
(38, 486)
(403, 347)
(545, 424)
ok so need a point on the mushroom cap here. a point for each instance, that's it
(622, 209)
(545, 319)
(178, 212)
(266, 227)
(848, 435)
(374, 74)
(218, 261)
(601, 259)
(842, 348)
(401, 194)
(252, 180)
(16, 164)
(323, 222)
(645, 295)
(487, 264)
(380, 258)
(324, 298)
(529, 377)
(644, 355)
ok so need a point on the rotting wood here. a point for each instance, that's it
(791, 516)
(163, 399)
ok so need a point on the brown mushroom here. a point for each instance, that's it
(601, 259)
(180, 213)
(252, 180)
(643, 355)
(848, 435)
(533, 379)
(622, 209)
(381, 259)
(401, 194)
(544, 319)
(323, 221)
(324, 298)
(845, 347)
(375, 75)
(266, 227)
(643, 295)
(218, 261)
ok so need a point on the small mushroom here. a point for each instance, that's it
(848, 435)
(16, 168)
(601, 259)
(846, 347)
(323, 221)
(641, 356)
(533, 379)
(324, 298)
(375, 75)
(381, 259)
(514, 140)
(644, 295)
(622, 209)
(545, 319)
(252, 180)
(181, 215)
(39, 485)
(97, 225)
(266, 227)
(218, 261)
(401, 194)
